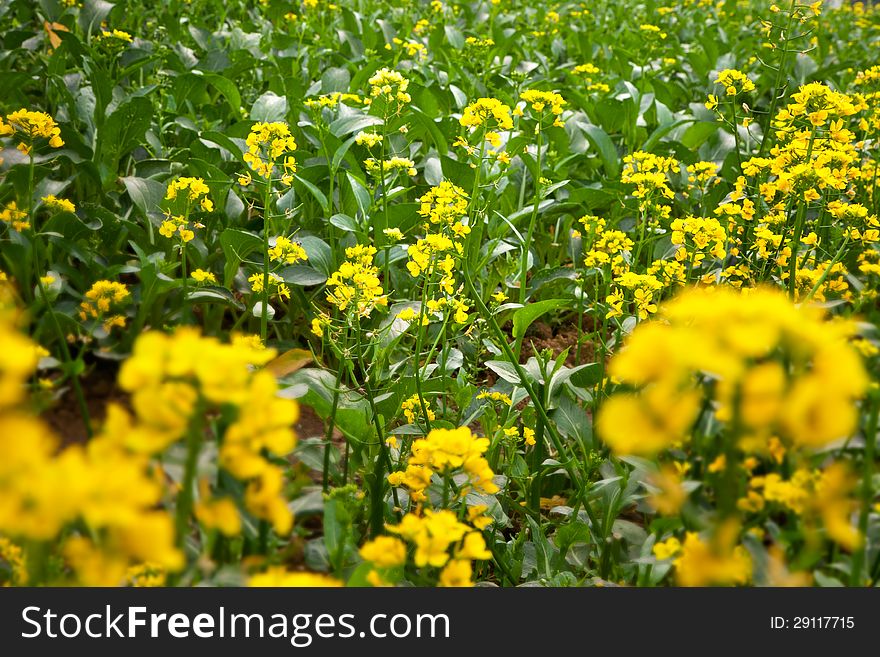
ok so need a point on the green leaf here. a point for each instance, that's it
(237, 245)
(660, 132)
(269, 107)
(573, 421)
(524, 317)
(214, 294)
(698, 133)
(505, 370)
(345, 125)
(93, 13)
(607, 152)
(588, 375)
(570, 534)
(226, 87)
(320, 197)
(454, 36)
(302, 275)
(344, 222)
(319, 252)
(145, 193)
(222, 140)
(124, 130)
(335, 79)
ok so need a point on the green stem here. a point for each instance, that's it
(264, 312)
(556, 439)
(524, 265)
(776, 91)
(185, 498)
(185, 283)
(383, 463)
(420, 331)
(331, 424)
(70, 370)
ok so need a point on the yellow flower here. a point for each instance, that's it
(458, 573)
(716, 563)
(667, 549)
(266, 144)
(384, 552)
(287, 251)
(33, 125)
(202, 276)
(280, 576)
(60, 204)
(490, 113)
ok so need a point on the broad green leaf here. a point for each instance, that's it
(302, 275)
(237, 245)
(226, 87)
(269, 107)
(145, 193)
(607, 152)
(524, 317)
(320, 197)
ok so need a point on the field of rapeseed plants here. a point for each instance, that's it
(389, 292)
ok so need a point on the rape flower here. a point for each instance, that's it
(193, 189)
(368, 139)
(667, 549)
(266, 144)
(11, 215)
(287, 251)
(277, 286)
(495, 396)
(378, 168)
(717, 562)
(724, 333)
(102, 299)
(217, 513)
(412, 408)
(202, 276)
(390, 85)
(384, 552)
(540, 101)
(279, 576)
(490, 113)
(734, 82)
(457, 573)
(177, 226)
(59, 204)
(356, 283)
(33, 125)
(444, 450)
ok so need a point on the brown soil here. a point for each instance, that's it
(541, 336)
(100, 389)
(312, 426)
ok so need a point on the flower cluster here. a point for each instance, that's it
(32, 125)
(447, 452)
(441, 540)
(174, 378)
(380, 168)
(102, 302)
(488, 113)
(286, 251)
(107, 494)
(266, 144)
(390, 86)
(356, 283)
(544, 101)
(778, 370)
